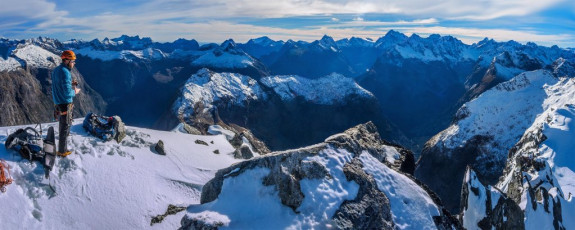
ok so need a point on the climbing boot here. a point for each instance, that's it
(64, 154)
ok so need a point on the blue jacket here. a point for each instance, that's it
(62, 90)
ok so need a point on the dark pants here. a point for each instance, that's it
(64, 114)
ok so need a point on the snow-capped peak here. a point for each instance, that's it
(264, 41)
(331, 89)
(35, 56)
(228, 44)
(328, 43)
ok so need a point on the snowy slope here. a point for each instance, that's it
(9, 64)
(248, 199)
(412, 207)
(555, 151)
(328, 90)
(502, 114)
(108, 55)
(37, 57)
(110, 185)
(539, 177)
(209, 87)
(248, 204)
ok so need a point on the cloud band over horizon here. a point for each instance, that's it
(543, 22)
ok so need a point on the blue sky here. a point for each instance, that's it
(545, 22)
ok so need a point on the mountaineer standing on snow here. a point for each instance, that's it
(63, 92)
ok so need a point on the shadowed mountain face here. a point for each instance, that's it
(283, 111)
(417, 96)
(140, 92)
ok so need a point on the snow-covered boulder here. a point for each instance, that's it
(351, 181)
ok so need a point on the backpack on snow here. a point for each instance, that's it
(105, 128)
(28, 142)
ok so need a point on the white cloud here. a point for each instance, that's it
(360, 22)
(16, 13)
(32, 9)
(472, 10)
(209, 21)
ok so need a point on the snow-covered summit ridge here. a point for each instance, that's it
(30, 55)
(495, 121)
(538, 182)
(210, 88)
(106, 185)
(504, 111)
(331, 185)
(331, 89)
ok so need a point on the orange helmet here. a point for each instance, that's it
(68, 54)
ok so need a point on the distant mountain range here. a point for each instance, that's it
(495, 115)
(419, 83)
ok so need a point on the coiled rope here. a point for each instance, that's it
(5, 178)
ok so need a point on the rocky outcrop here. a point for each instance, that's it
(370, 209)
(26, 96)
(347, 160)
(487, 207)
(483, 132)
(535, 189)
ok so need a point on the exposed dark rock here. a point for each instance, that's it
(159, 147)
(505, 215)
(243, 152)
(192, 130)
(172, 210)
(443, 173)
(200, 142)
(370, 209)
(27, 97)
(199, 224)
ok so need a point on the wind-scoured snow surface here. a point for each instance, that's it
(208, 87)
(106, 185)
(328, 90)
(245, 203)
(250, 205)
